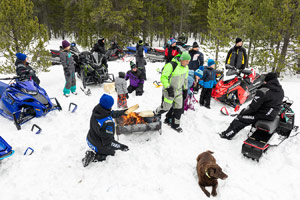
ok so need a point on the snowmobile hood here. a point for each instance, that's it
(99, 112)
(274, 85)
(28, 85)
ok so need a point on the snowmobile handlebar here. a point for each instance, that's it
(10, 78)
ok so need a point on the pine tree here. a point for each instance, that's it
(21, 32)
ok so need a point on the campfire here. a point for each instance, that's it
(135, 123)
(132, 118)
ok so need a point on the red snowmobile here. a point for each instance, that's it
(234, 89)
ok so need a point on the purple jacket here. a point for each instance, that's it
(136, 78)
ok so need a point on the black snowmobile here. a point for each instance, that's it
(263, 131)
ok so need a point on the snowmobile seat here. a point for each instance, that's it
(3, 87)
(247, 71)
(269, 126)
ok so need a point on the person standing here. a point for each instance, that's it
(121, 88)
(265, 105)
(140, 60)
(197, 58)
(67, 62)
(208, 81)
(237, 55)
(171, 51)
(174, 78)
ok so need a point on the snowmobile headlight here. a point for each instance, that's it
(31, 92)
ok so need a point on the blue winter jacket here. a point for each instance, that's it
(209, 78)
(191, 80)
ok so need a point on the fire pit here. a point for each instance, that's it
(135, 123)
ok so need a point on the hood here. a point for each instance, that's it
(274, 85)
(100, 112)
(191, 73)
(18, 61)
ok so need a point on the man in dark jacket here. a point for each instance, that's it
(24, 70)
(265, 105)
(171, 51)
(100, 137)
(140, 60)
(99, 47)
(237, 55)
(197, 58)
(136, 79)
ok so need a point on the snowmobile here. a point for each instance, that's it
(262, 132)
(55, 56)
(233, 89)
(24, 100)
(114, 54)
(5, 149)
(92, 70)
(156, 55)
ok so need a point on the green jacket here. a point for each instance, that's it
(178, 78)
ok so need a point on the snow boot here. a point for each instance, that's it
(100, 157)
(168, 121)
(89, 157)
(178, 129)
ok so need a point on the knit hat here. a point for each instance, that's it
(185, 56)
(65, 44)
(172, 41)
(195, 45)
(106, 101)
(237, 40)
(140, 42)
(21, 56)
(122, 74)
(270, 76)
(132, 65)
(210, 62)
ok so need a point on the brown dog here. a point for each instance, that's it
(208, 172)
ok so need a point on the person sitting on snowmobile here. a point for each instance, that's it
(100, 137)
(99, 47)
(237, 56)
(265, 105)
(24, 70)
(114, 45)
(171, 51)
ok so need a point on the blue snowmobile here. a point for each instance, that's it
(5, 149)
(24, 100)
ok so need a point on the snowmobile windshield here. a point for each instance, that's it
(27, 87)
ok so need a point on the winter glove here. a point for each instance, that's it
(118, 146)
(170, 91)
(184, 94)
(127, 96)
(124, 147)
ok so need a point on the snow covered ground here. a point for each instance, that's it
(156, 166)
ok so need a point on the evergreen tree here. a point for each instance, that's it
(21, 32)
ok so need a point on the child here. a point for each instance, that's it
(67, 62)
(121, 88)
(208, 82)
(136, 80)
(100, 137)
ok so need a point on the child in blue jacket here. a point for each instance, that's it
(208, 82)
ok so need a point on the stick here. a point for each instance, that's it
(146, 113)
(131, 109)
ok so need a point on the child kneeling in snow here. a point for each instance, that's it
(100, 137)
(121, 88)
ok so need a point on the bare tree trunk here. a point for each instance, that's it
(254, 53)
(286, 42)
(276, 57)
(181, 18)
(217, 52)
(249, 50)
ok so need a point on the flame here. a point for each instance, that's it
(132, 118)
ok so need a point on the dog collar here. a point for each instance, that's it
(207, 173)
